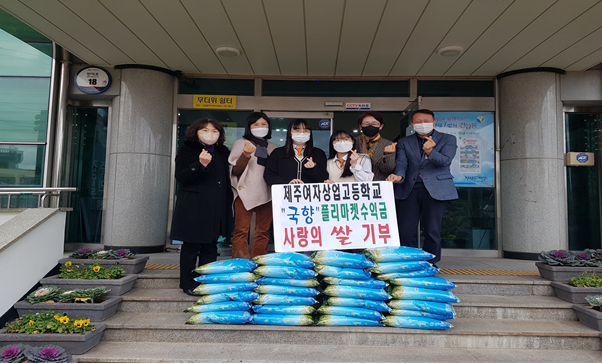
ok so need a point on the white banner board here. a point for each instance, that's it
(325, 216)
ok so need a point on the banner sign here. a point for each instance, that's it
(474, 164)
(214, 102)
(327, 216)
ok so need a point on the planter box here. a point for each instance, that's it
(131, 266)
(117, 286)
(95, 311)
(73, 343)
(559, 273)
(574, 294)
(589, 317)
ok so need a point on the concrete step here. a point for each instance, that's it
(154, 352)
(541, 308)
(467, 333)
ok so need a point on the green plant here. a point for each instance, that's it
(83, 253)
(48, 322)
(587, 280)
(95, 271)
(44, 294)
(90, 295)
(112, 254)
(586, 258)
(47, 354)
(13, 353)
(595, 302)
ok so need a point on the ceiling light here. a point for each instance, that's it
(450, 51)
(227, 51)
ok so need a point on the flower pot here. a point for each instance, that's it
(117, 286)
(131, 266)
(560, 273)
(589, 317)
(96, 312)
(573, 294)
(73, 343)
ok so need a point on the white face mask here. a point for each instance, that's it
(343, 147)
(208, 138)
(260, 132)
(423, 128)
(300, 137)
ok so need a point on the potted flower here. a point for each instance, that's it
(591, 316)
(562, 265)
(13, 353)
(76, 336)
(123, 257)
(81, 276)
(90, 302)
(578, 288)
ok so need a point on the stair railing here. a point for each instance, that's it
(41, 192)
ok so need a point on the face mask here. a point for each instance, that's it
(370, 131)
(260, 132)
(208, 138)
(343, 147)
(300, 137)
(423, 128)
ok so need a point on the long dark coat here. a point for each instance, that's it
(204, 202)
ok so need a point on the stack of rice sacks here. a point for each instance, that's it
(227, 289)
(286, 290)
(420, 300)
(355, 298)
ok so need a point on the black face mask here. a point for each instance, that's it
(370, 131)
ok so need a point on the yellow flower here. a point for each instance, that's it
(64, 320)
(96, 269)
(69, 270)
(31, 322)
(94, 329)
(78, 323)
(67, 264)
(56, 317)
(86, 322)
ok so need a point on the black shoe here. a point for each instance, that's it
(190, 292)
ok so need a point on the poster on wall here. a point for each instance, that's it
(326, 216)
(474, 164)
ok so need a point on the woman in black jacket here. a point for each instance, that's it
(203, 206)
(298, 161)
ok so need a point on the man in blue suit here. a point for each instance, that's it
(423, 182)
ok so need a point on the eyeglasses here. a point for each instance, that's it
(374, 123)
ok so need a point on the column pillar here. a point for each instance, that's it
(139, 163)
(533, 202)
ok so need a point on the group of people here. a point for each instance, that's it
(212, 179)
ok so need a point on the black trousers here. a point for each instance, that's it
(206, 253)
(420, 206)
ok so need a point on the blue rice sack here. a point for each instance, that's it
(420, 314)
(276, 299)
(416, 323)
(356, 292)
(397, 267)
(284, 309)
(245, 296)
(397, 254)
(356, 312)
(284, 272)
(346, 273)
(214, 288)
(371, 283)
(426, 282)
(379, 306)
(227, 266)
(221, 317)
(221, 306)
(287, 259)
(283, 320)
(312, 282)
(439, 308)
(227, 278)
(284, 290)
(332, 320)
(428, 272)
(423, 294)
(341, 259)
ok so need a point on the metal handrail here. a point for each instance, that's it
(41, 192)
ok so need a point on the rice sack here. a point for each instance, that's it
(409, 313)
(284, 272)
(428, 272)
(227, 266)
(356, 312)
(423, 294)
(346, 273)
(332, 320)
(284, 309)
(221, 317)
(285, 320)
(336, 258)
(379, 306)
(214, 288)
(356, 292)
(284, 290)
(426, 282)
(439, 308)
(370, 283)
(245, 296)
(227, 278)
(221, 306)
(396, 267)
(311, 282)
(276, 299)
(397, 254)
(287, 259)
(416, 323)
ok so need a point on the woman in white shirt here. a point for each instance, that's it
(344, 163)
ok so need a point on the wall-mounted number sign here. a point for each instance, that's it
(92, 80)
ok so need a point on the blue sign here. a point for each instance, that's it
(582, 158)
(324, 124)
